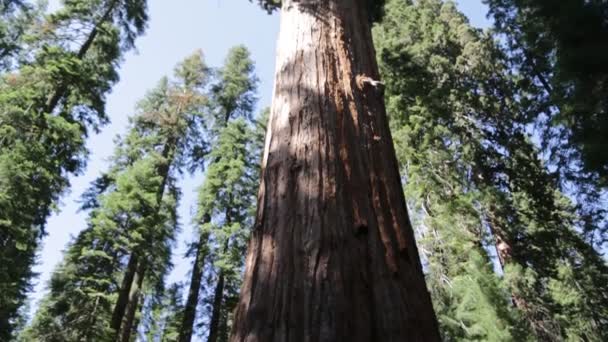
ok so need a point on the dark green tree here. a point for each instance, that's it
(47, 108)
(227, 196)
(96, 293)
(563, 48)
(477, 180)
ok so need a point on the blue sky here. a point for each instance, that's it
(176, 29)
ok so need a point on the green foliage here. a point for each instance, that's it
(226, 201)
(163, 315)
(47, 107)
(476, 182)
(563, 50)
(133, 212)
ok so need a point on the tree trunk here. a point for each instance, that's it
(127, 325)
(218, 297)
(332, 255)
(123, 295)
(185, 334)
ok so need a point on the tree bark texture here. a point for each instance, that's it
(332, 255)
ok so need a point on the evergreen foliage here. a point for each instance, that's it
(476, 183)
(133, 215)
(563, 48)
(47, 107)
(226, 199)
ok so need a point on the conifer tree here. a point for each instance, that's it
(470, 168)
(132, 222)
(563, 48)
(16, 19)
(559, 50)
(163, 314)
(227, 196)
(47, 108)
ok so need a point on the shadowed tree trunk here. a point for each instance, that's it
(332, 255)
(185, 334)
(218, 297)
(127, 325)
(123, 295)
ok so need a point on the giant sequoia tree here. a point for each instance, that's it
(332, 255)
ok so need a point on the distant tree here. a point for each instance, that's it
(97, 291)
(227, 196)
(163, 314)
(47, 108)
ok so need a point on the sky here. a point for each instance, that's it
(176, 29)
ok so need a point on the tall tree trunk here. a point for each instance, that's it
(126, 328)
(216, 312)
(123, 295)
(185, 334)
(332, 256)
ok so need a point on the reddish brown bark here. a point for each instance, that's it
(332, 256)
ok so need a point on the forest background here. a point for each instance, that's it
(176, 29)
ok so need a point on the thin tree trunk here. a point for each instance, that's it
(218, 297)
(124, 300)
(185, 334)
(127, 325)
(332, 256)
(123, 295)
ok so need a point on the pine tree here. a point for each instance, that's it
(471, 169)
(132, 222)
(563, 49)
(226, 197)
(16, 19)
(47, 108)
(426, 57)
(332, 254)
